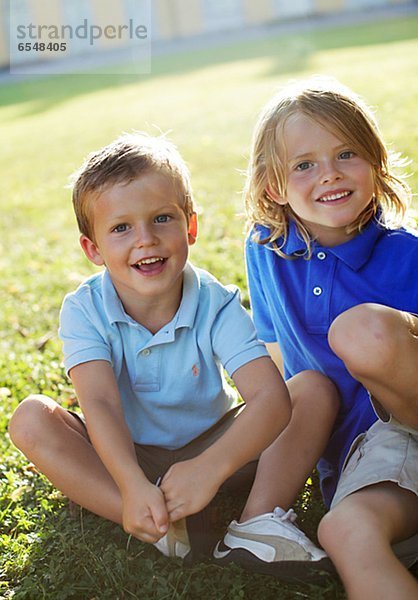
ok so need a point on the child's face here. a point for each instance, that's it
(328, 184)
(141, 235)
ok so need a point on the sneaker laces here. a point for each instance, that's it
(290, 515)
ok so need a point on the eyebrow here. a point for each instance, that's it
(121, 217)
(298, 157)
(310, 153)
(160, 209)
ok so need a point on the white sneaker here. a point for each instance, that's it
(272, 544)
(175, 543)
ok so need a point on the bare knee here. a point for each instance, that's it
(309, 388)
(30, 420)
(341, 532)
(354, 522)
(364, 337)
(331, 531)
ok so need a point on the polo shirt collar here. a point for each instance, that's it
(111, 302)
(294, 244)
(186, 313)
(354, 253)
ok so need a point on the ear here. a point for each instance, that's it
(192, 231)
(91, 251)
(275, 196)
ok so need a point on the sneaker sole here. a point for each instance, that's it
(292, 571)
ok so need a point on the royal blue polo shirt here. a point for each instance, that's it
(171, 383)
(294, 302)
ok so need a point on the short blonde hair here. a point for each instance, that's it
(128, 157)
(342, 112)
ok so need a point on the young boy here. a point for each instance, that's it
(145, 344)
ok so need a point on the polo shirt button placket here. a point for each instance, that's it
(146, 352)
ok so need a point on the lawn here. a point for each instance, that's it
(208, 101)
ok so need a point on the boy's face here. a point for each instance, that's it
(141, 236)
(328, 184)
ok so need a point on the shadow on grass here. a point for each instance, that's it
(289, 52)
(76, 555)
(60, 553)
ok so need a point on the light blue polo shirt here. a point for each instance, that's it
(295, 301)
(171, 383)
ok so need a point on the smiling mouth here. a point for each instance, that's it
(334, 197)
(149, 264)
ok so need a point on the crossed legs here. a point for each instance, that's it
(56, 442)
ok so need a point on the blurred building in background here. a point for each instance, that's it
(175, 19)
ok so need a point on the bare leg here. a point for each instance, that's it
(57, 444)
(379, 347)
(357, 535)
(284, 467)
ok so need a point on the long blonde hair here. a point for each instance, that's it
(342, 112)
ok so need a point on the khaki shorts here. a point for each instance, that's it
(155, 461)
(388, 451)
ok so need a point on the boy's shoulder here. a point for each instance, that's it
(93, 298)
(210, 291)
(209, 282)
(86, 309)
(91, 285)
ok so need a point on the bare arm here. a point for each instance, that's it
(276, 355)
(190, 485)
(144, 511)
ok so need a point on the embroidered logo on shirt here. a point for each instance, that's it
(195, 370)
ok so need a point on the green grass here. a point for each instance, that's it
(208, 100)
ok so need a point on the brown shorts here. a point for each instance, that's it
(155, 461)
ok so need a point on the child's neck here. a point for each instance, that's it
(154, 317)
(156, 314)
(330, 237)
(331, 240)
(155, 311)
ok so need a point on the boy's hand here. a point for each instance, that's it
(189, 486)
(144, 513)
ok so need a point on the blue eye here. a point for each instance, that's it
(303, 166)
(162, 219)
(346, 154)
(120, 228)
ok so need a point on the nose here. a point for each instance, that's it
(330, 172)
(145, 236)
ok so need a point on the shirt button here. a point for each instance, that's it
(317, 291)
(146, 352)
(321, 255)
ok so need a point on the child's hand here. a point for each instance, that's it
(145, 515)
(189, 486)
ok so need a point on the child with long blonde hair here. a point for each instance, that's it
(333, 279)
